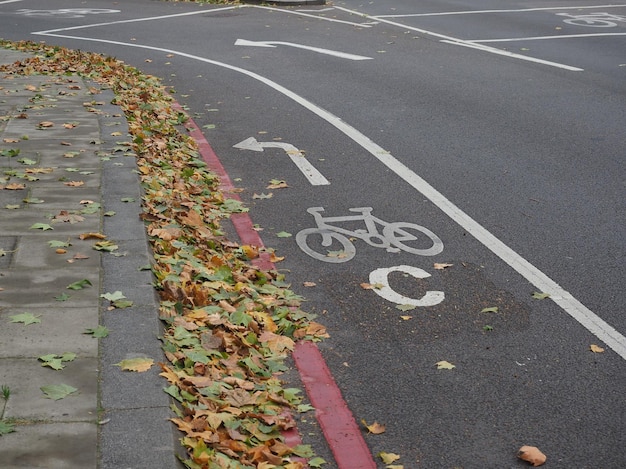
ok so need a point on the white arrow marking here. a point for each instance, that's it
(334, 53)
(313, 175)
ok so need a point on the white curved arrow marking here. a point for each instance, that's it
(334, 53)
(313, 175)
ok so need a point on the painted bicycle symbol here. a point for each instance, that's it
(594, 20)
(66, 12)
(395, 237)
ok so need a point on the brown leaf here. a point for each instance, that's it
(15, 187)
(374, 428)
(136, 364)
(532, 455)
(74, 183)
(92, 236)
(10, 140)
(46, 124)
(596, 348)
(441, 266)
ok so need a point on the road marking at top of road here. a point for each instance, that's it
(334, 53)
(9, 1)
(538, 38)
(460, 42)
(587, 318)
(472, 12)
(310, 172)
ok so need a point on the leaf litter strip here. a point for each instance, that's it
(229, 323)
(335, 418)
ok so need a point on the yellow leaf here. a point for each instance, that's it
(309, 284)
(136, 364)
(406, 318)
(444, 365)
(388, 458)
(595, 348)
(375, 428)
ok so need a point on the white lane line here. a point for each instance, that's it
(587, 318)
(177, 15)
(319, 50)
(136, 20)
(507, 53)
(460, 42)
(538, 38)
(520, 10)
(9, 1)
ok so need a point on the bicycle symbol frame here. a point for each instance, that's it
(594, 20)
(394, 236)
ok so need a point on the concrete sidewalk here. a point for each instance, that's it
(65, 167)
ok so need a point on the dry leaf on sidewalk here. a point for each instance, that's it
(532, 455)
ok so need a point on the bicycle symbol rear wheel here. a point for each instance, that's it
(313, 240)
(424, 243)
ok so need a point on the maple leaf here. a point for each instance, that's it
(58, 391)
(374, 428)
(25, 318)
(136, 364)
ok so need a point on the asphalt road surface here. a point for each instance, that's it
(489, 135)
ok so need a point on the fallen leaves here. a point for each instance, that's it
(532, 455)
(596, 348)
(136, 364)
(58, 391)
(374, 428)
(229, 326)
(25, 318)
(445, 365)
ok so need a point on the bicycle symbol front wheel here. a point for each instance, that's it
(335, 247)
(403, 235)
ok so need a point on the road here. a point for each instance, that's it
(496, 127)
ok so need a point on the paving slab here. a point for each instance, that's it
(66, 154)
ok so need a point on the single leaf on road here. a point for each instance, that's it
(136, 364)
(445, 365)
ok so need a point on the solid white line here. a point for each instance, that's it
(334, 53)
(587, 318)
(460, 42)
(521, 10)
(537, 38)
(136, 20)
(9, 1)
(512, 54)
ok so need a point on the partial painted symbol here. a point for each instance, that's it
(594, 20)
(66, 12)
(380, 277)
(310, 172)
(395, 237)
(334, 53)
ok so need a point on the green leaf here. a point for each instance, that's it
(62, 297)
(540, 296)
(107, 246)
(11, 207)
(41, 226)
(79, 285)
(406, 307)
(233, 206)
(26, 318)
(59, 244)
(99, 332)
(110, 213)
(57, 391)
(33, 200)
(121, 304)
(127, 199)
(493, 309)
(116, 295)
(283, 234)
(56, 361)
(27, 161)
(6, 427)
(316, 462)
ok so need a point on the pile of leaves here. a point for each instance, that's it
(228, 325)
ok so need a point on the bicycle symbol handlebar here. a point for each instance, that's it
(395, 237)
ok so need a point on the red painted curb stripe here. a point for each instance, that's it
(342, 433)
